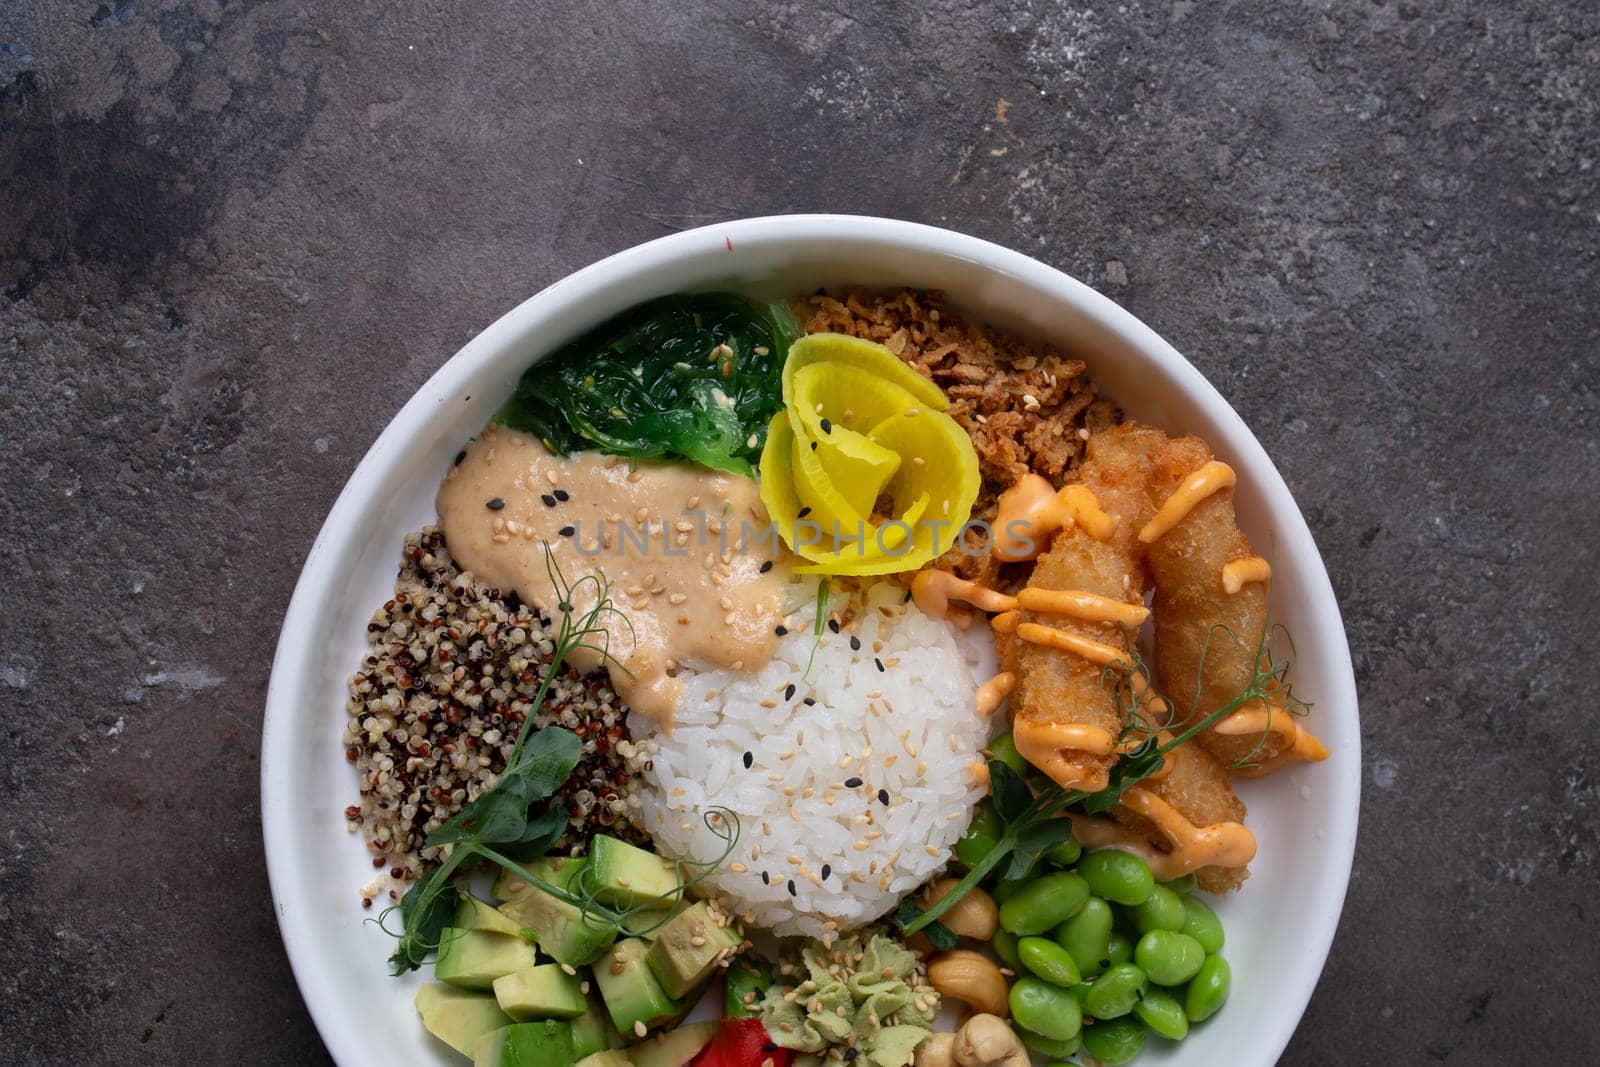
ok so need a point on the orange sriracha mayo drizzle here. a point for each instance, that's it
(1211, 478)
(1057, 749)
(1065, 641)
(933, 590)
(993, 692)
(1030, 511)
(1298, 743)
(1077, 604)
(1241, 572)
(1223, 844)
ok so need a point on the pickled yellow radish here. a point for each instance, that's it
(860, 426)
(844, 350)
(856, 466)
(777, 481)
(828, 396)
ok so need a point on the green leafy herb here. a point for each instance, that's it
(938, 934)
(695, 377)
(425, 911)
(506, 824)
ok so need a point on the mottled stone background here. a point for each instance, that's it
(234, 237)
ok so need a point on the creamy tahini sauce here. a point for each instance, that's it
(691, 594)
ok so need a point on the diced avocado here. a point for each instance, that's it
(457, 1017)
(559, 871)
(541, 1044)
(628, 876)
(687, 949)
(559, 927)
(631, 992)
(473, 959)
(474, 914)
(543, 992)
(649, 923)
(592, 1031)
(674, 1048)
(743, 988)
(608, 1058)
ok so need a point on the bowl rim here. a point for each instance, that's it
(298, 635)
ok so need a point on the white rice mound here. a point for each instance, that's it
(908, 729)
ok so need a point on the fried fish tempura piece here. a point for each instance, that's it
(1209, 823)
(1206, 636)
(1067, 717)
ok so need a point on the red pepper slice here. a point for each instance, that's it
(742, 1043)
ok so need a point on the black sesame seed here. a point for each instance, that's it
(563, 496)
(567, 531)
(766, 879)
(852, 783)
(878, 663)
(459, 457)
(855, 643)
(810, 702)
(804, 512)
(850, 1054)
(827, 427)
(788, 692)
(907, 598)
(827, 869)
(749, 760)
(883, 797)
(791, 888)
(549, 501)
(766, 565)
(780, 630)
(496, 504)
(833, 624)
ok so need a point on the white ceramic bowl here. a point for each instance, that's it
(1279, 926)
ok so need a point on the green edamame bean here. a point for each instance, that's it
(1118, 950)
(1202, 924)
(1048, 1046)
(1047, 1010)
(1162, 910)
(1119, 877)
(1208, 989)
(1115, 992)
(1006, 888)
(1163, 1012)
(983, 834)
(1116, 1042)
(1049, 961)
(1086, 935)
(1004, 749)
(1064, 854)
(1168, 957)
(1044, 903)
(1182, 886)
(1004, 944)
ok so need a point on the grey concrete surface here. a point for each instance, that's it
(234, 237)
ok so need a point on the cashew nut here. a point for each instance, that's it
(971, 978)
(974, 915)
(983, 1041)
(986, 1041)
